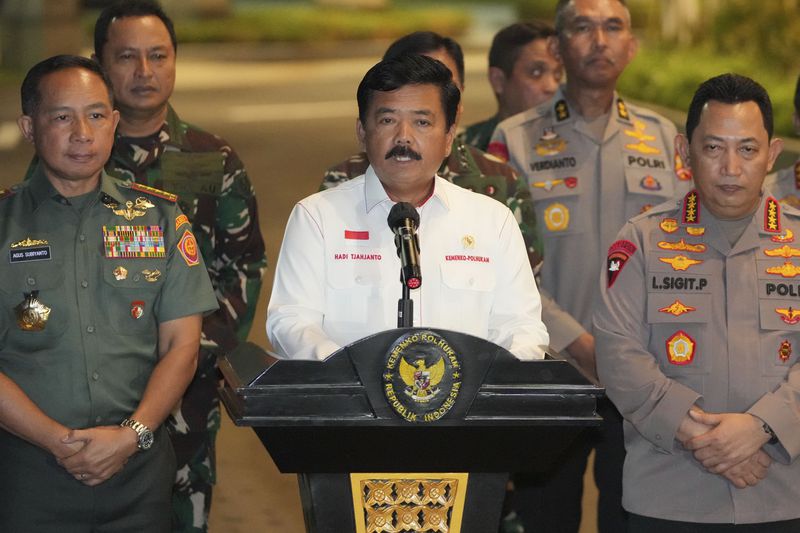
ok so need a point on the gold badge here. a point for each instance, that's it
(546, 185)
(32, 315)
(120, 273)
(787, 270)
(785, 237)
(785, 351)
(550, 143)
(562, 110)
(25, 243)
(789, 315)
(151, 275)
(556, 217)
(677, 308)
(679, 262)
(468, 242)
(670, 225)
(682, 246)
(696, 231)
(691, 213)
(622, 109)
(784, 251)
(680, 348)
(643, 137)
(131, 210)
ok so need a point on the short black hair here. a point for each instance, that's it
(729, 89)
(797, 97)
(392, 74)
(564, 5)
(425, 42)
(507, 43)
(31, 96)
(129, 8)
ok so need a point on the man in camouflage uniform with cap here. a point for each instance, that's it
(135, 43)
(466, 166)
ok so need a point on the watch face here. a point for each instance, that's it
(146, 440)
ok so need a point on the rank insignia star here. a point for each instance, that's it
(677, 308)
(682, 246)
(787, 270)
(786, 237)
(562, 110)
(784, 251)
(785, 351)
(622, 110)
(680, 348)
(691, 214)
(679, 262)
(789, 315)
(669, 225)
(772, 216)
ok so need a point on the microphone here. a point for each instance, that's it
(403, 220)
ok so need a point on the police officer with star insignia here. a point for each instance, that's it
(591, 160)
(785, 184)
(698, 332)
(102, 294)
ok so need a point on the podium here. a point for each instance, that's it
(409, 429)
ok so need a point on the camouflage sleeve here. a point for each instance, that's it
(521, 204)
(346, 170)
(239, 259)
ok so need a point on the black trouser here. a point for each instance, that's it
(551, 502)
(645, 524)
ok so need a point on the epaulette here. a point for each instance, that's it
(11, 191)
(170, 197)
(664, 207)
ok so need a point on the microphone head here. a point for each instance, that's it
(400, 212)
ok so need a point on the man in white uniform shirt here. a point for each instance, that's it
(337, 278)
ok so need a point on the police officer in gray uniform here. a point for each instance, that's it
(591, 161)
(101, 300)
(697, 334)
(785, 184)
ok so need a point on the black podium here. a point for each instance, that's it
(408, 429)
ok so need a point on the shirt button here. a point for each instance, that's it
(95, 376)
(84, 284)
(471, 282)
(136, 277)
(31, 281)
(82, 237)
(90, 329)
(359, 280)
(658, 437)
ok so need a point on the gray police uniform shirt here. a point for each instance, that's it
(685, 318)
(784, 185)
(108, 275)
(584, 189)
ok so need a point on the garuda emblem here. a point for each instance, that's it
(421, 381)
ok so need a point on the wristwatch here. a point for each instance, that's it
(144, 433)
(773, 438)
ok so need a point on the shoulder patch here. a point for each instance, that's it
(618, 254)
(170, 197)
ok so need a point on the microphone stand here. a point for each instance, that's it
(405, 306)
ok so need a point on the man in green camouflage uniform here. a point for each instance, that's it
(466, 166)
(523, 73)
(135, 43)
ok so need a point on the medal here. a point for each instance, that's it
(32, 315)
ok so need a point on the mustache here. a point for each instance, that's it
(402, 150)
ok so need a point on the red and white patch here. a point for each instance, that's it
(499, 150)
(618, 255)
(187, 246)
(352, 235)
(137, 309)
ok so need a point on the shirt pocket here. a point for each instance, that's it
(469, 289)
(353, 295)
(46, 277)
(130, 293)
(779, 337)
(679, 331)
(646, 189)
(555, 200)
